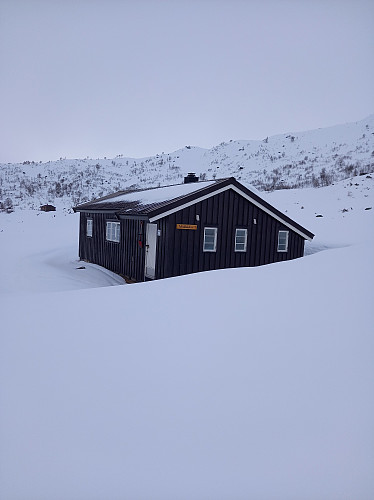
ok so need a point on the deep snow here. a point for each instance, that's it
(38, 253)
(252, 383)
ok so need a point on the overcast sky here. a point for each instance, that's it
(105, 77)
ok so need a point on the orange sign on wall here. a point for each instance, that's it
(187, 226)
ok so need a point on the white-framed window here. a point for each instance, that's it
(113, 231)
(210, 239)
(240, 240)
(89, 227)
(283, 241)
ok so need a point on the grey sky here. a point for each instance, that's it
(105, 77)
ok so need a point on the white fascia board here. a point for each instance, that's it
(241, 193)
(185, 205)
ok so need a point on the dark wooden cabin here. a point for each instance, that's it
(47, 208)
(186, 228)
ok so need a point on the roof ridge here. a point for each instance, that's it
(169, 185)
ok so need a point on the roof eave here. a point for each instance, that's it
(95, 210)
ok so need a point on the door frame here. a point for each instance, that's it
(150, 250)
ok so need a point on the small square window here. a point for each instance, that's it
(240, 240)
(283, 241)
(113, 231)
(210, 239)
(89, 227)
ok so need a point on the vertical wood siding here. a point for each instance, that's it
(125, 257)
(181, 251)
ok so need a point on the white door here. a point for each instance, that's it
(150, 253)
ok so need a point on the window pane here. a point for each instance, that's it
(240, 240)
(282, 241)
(113, 231)
(210, 239)
(89, 227)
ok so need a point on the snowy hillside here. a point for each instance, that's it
(314, 158)
(243, 384)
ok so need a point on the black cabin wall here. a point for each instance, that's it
(125, 257)
(180, 251)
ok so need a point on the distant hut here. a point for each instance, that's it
(47, 208)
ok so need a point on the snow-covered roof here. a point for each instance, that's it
(158, 195)
(156, 203)
(145, 201)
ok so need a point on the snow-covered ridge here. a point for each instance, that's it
(304, 159)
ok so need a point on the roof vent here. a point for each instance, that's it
(191, 177)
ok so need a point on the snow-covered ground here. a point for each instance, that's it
(252, 383)
(38, 253)
(346, 207)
